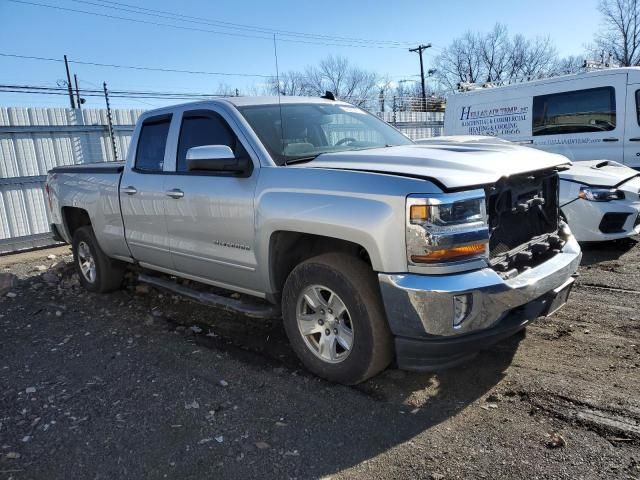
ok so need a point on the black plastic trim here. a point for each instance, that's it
(87, 168)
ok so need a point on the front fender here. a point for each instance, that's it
(363, 208)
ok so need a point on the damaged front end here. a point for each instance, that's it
(524, 222)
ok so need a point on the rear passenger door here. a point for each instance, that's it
(211, 218)
(142, 195)
(582, 119)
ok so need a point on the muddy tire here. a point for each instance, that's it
(335, 320)
(97, 272)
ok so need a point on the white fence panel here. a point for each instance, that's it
(33, 141)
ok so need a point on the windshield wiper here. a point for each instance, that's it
(300, 160)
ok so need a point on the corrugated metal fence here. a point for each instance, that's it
(34, 140)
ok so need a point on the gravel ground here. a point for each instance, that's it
(141, 384)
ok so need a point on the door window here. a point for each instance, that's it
(638, 106)
(205, 128)
(151, 144)
(590, 110)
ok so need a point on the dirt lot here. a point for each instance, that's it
(140, 384)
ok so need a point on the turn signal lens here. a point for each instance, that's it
(419, 213)
(436, 256)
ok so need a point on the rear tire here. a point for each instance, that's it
(97, 272)
(335, 300)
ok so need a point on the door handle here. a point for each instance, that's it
(129, 190)
(610, 139)
(175, 193)
(634, 139)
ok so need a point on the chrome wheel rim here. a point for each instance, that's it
(325, 324)
(86, 262)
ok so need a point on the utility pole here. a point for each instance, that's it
(75, 79)
(110, 120)
(70, 88)
(419, 49)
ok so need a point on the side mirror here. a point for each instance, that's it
(216, 158)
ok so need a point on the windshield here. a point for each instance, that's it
(303, 131)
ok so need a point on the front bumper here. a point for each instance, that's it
(588, 220)
(421, 308)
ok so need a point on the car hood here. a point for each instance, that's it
(602, 173)
(453, 164)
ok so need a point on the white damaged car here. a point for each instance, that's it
(600, 199)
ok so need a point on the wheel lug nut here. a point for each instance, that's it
(330, 311)
(335, 330)
(327, 331)
(322, 312)
(320, 322)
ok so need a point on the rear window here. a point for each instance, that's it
(579, 111)
(152, 143)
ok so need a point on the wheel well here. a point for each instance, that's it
(75, 218)
(288, 249)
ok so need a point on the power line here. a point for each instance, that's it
(135, 67)
(182, 27)
(40, 89)
(224, 24)
(155, 69)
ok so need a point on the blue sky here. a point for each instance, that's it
(35, 30)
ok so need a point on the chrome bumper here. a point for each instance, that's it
(423, 305)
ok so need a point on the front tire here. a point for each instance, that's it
(97, 272)
(334, 318)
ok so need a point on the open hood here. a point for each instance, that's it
(600, 173)
(451, 163)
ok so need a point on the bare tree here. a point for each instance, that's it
(460, 61)
(289, 83)
(226, 90)
(494, 56)
(620, 32)
(334, 74)
(570, 64)
(347, 82)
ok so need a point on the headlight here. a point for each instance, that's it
(447, 228)
(600, 194)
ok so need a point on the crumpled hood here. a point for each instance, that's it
(452, 163)
(602, 173)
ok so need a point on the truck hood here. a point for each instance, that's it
(451, 163)
(602, 173)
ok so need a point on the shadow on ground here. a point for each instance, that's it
(349, 425)
(596, 252)
(127, 385)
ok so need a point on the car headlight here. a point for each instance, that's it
(594, 194)
(447, 229)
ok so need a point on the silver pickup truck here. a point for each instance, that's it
(371, 248)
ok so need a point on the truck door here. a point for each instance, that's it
(142, 195)
(210, 215)
(632, 127)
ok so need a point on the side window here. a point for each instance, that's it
(204, 128)
(591, 110)
(638, 106)
(152, 143)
